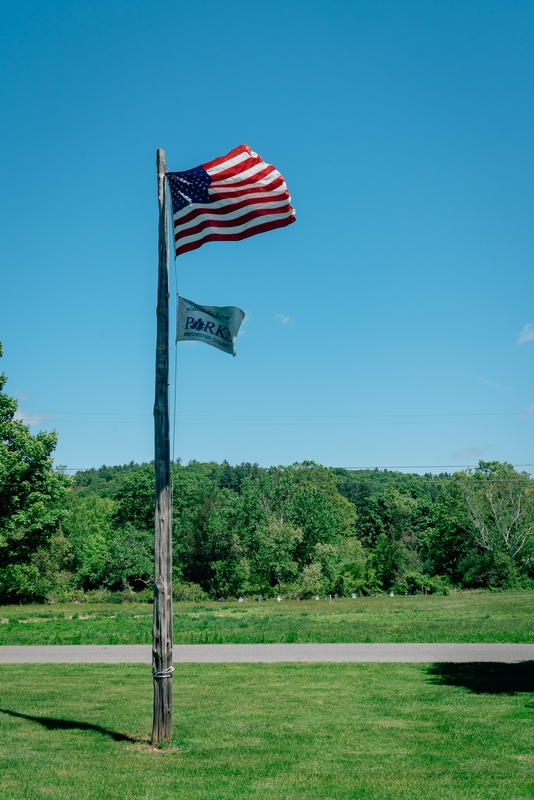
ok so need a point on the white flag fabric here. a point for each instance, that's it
(209, 324)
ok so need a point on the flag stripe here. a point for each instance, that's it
(227, 205)
(249, 178)
(270, 183)
(229, 220)
(223, 229)
(248, 230)
(229, 198)
(277, 186)
(231, 164)
(235, 165)
(242, 171)
(243, 151)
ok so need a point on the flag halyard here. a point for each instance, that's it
(228, 199)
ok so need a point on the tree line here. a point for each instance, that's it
(300, 530)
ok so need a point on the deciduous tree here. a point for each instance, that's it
(500, 505)
(32, 506)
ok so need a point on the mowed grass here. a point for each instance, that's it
(256, 732)
(459, 617)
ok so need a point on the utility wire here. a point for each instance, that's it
(523, 414)
(244, 423)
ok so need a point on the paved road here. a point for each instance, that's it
(267, 653)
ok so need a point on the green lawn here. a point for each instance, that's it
(257, 732)
(459, 617)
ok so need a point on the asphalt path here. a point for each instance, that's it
(268, 653)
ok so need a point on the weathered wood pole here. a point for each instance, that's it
(162, 668)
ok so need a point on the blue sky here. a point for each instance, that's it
(392, 325)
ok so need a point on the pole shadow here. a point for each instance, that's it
(53, 724)
(485, 677)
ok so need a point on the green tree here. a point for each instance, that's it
(136, 497)
(130, 559)
(228, 563)
(452, 538)
(202, 533)
(90, 529)
(32, 507)
(500, 505)
(274, 549)
(407, 519)
(293, 517)
(354, 568)
(388, 560)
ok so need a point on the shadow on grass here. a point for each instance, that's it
(53, 724)
(486, 677)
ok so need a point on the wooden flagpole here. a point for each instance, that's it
(162, 668)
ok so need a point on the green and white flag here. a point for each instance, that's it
(210, 324)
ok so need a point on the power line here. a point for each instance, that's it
(242, 422)
(523, 414)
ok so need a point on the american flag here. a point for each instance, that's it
(230, 198)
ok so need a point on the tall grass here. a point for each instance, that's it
(459, 617)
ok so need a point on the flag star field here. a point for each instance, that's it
(189, 187)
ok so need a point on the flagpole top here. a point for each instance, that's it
(160, 161)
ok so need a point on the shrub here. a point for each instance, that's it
(188, 592)
(416, 583)
(486, 570)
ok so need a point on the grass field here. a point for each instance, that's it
(256, 732)
(459, 617)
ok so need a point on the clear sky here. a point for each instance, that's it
(392, 325)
